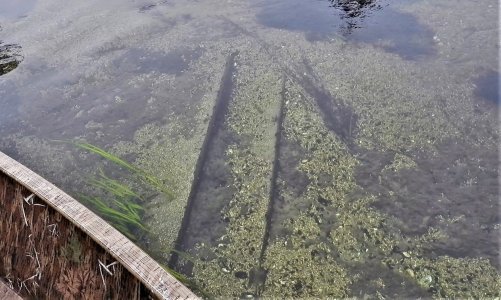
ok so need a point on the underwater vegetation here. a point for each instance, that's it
(123, 214)
(122, 205)
(355, 155)
(324, 226)
(140, 174)
(113, 186)
(334, 223)
(229, 263)
(118, 202)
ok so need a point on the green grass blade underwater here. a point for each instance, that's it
(141, 174)
(122, 210)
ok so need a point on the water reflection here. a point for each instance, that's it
(10, 57)
(361, 21)
(354, 11)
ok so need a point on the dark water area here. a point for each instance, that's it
(369, 22)
(9, 104)
(487, 87)
(89, 103)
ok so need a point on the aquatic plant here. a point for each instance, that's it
(298, 271)
(357, 231)
(125, 216)
(113, 186)
(142, 175)
(459, 278)
(123, 212)
(121, 209)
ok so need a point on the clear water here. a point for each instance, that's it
(313, 148)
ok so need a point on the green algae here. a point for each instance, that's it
(229, 267)
(459, 278)
(400, 162)
(299, 266)
(356, 232)
(328, 167)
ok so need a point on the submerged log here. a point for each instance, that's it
(52, 247)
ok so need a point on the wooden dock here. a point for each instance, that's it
(28, 201)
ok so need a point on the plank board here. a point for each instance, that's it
(6, 293)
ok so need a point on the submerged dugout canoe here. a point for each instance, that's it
(53, 247)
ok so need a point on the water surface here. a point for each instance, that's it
(302, 148)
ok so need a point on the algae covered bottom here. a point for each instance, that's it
(278, 148)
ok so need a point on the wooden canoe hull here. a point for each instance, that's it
(52, 247)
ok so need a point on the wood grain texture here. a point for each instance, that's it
(6, 293)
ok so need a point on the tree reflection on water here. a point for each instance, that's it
(354, 11)
(10, 57)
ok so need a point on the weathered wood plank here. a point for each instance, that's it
(6, 293)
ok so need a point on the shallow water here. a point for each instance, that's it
(303, 148)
